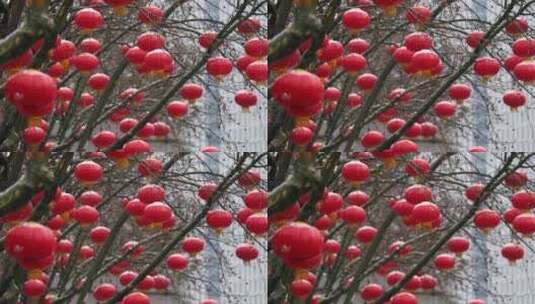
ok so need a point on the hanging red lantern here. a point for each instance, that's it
(417, 167)
(372, 139)
(459, 92)
(365, 234)
(177, 109)
(355, 20)
(486, 220)
(357, 45)
(136, 297)
(32, 93)
(301, 136)
(257, 72)
(525, 72)
(353, 215)
(135, 55)
(257, 224)
(474, 38)
(297, 242)
(85, 215)
(191, 92)
(486, 67)
(458, 245)
(98, 81)
(515, 180)
(403, 55)
(524, 47)
(151, 193)
(177, 262)
(524, 224)
(90, 45)
(136, 147)
(90, 198)
(157, 62)
(419, 15)
(150, 14)
(416, 194)
(33, 136)
(218, 220)
(104, 292)
(424, 61)
(249, 26)
(192, 245)
(30, 242)
(445, 109)
(206, 39)
(371, 292)
(34, 289)
(219, 67)
(404, 298)
(355, 172)
(256, 199)
(245, 99)
(517, 27)
(300, 288)
(354, 100)
(417, 41)
(472, 193)
(88, 20)
(246, 252)
(514, 99)
(88, 173)
(523, 200)
(256, 47)
(444, 262)
(425, 213)
(512, 252)
(149, 41)
(353, 63)
(104, 139)
(366, 82)
(157, 213)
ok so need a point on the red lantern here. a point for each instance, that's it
(301, 136)
(30, 241)
(85, 63)
(371, 292)
(88, 173)
(99, 234)
(21, 61)
(474, 38)
(525, 72)
(355, 20)
(32, 92)
(445, 109)
(403, 55)
(416, 194)
(417, 167)
(256, 199)
(514, 99)
(417, 41)
(366, 82)
(192, 245)
(258, 72)
(151, 193)
(357, 45)
(355, 172)
(353, 63)
(486, 67)
(418, 14)
(245, 99)
(219, 220)
(353, 215)
(177, 109)
(512, 252)
(372, 139)
(297, 242)
(98, 81)
(524, 224)
(425, 213)
(404, 298)
(516, 179)
(365, 234)
(90, 198)
(136, 297)
(104, 292)
(85, 215)
(177, 262)
(34, 288)
(103, 139)
(90, 45)
(257, 224)
(206, 39)
(150, 14)
(33, 136)
(298, 88)
(517, 26)
(191, 92)
(357, 198)
(459, 92)
(256, 47)
(524, 47)
(444, 262)
(150, 41)
(219, 67)
(246, 252)
(158, 62)
(88, 20)
(458, 245)
(523, 200)
(248, 26)
(300, 288)
(135, 55)
(157, 213)
(424, 61)
(472, 193)
(486, 220)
